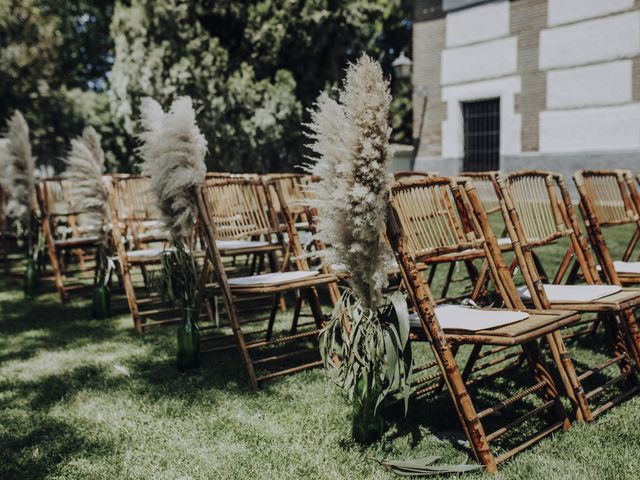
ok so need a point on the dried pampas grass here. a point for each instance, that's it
(173, 150)
(352, 154)
(20, 166)
(85, 168)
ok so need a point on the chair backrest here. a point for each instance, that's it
(237, 208)
(485, 186)
(608, 198)
(541, 201)
(133, 198)
(537, 211)
(435, 216)
(57, 207)
(608, 195)
(409, 175)
(429, 218)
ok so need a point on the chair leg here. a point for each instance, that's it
(316, 307)
(569, 378)
(272, 315)
(541, 373)
(464, 406)
(296, 314)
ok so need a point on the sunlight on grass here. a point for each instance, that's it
(81, 399)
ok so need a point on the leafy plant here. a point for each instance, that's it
(369, 344)
(177, 281)
(423, 467)
(368, 332)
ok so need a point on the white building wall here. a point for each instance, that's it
(589, 77)
(608, 83)
(592, 41)
(568, 11)
(495, 58)
(480, 61)
(471, 26)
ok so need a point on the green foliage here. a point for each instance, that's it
(252, 68)
(177, 280)
(50, 51)
(360, 343)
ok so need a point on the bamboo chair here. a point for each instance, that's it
(246, 217)
(538, 212)
(418, 234)
(64, 234)
(138, 243)
(608, 198)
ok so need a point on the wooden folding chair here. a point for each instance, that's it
(538, 212)
(418, 230)
(233, 209)
(138, 243)
(608, 198)
(64, 234)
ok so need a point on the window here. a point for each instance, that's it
(481, 135)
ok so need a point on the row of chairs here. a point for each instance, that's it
(434, 220)
(496, 226)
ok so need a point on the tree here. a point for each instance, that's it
(51, 53)
(252, 67)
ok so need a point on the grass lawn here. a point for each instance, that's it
(88, 399)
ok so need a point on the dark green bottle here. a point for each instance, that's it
(368, 425)
(30, 279)
(188, 342)
(101, 306)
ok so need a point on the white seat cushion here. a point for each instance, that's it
(457, 317)
(238, 244)
(275, 278)
(149, 252)
(504, 241)
(572, 293)
(626, 267)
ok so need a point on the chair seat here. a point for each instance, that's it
(239, 244)
(632, 268)
(76, 242)
(275, 278)
(270, 283)
(147, 253)
(572, 293)
(517, 326)
(457, 317)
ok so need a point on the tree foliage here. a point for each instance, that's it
(53, 55)
(253, 68)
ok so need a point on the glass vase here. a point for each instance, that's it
(101, 306)
(367, 424)
(30, 278)
(188, 356)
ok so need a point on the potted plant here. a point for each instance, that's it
(20, 166)
(85, 170)
(365, 343)
(173, 150)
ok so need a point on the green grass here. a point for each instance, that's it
(81, 398)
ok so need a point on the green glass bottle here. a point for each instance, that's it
(101, 306)
(188, 342)
(367, 424)
(30, 279)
